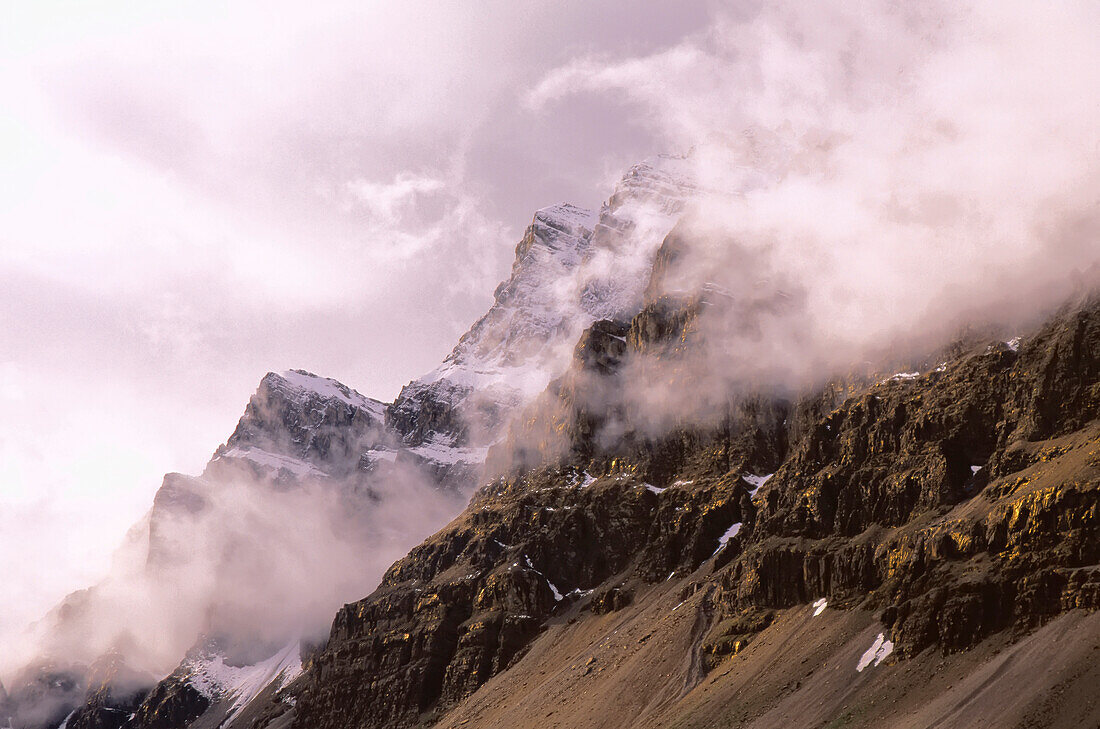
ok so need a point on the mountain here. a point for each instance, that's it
(922, 544)
(202, 572)
(630, 532)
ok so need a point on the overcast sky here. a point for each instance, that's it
(194, 194)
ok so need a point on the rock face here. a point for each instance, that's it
(572, 267)
(646, 558)
(114, 693)
(306, 425)
(956, 502)
(306, 434)
(502, 356)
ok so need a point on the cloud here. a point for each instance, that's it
(195, 195)
(919, 165)
(240, 558)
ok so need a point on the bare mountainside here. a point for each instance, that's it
(319, 489)
(654, 537)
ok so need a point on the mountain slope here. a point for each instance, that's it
(312, 456)
(651, 545)
(572, 267)
(938, 509)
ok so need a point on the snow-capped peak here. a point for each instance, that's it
(573, 267)
(300, 383)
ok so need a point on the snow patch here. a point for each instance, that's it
(214, 679)
(442, 453)
(274, 461)
(730, 534)
(755, 481)
(819, 606)
(1014, 344)
(876, 653)
(654, 489)
(558, 597)
(383, 454)
(586, 481)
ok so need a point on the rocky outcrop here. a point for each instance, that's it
(952, 501)
(298, 425)
(173, 702)
(43, 695)
(500, 361)
(114, 694)
(572, 267)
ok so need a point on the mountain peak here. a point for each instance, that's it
(306, 424)
(297, 384)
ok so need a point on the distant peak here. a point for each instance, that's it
(302, 382)
(569, 215)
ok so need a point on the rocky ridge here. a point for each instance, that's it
(301, 432)
(955, 503)
(931, 512)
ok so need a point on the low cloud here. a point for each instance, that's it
(873, 176)
(247, 560)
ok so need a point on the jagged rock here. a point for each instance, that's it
(114, 693)
(305, 425)
(44, 694)
(877, 499)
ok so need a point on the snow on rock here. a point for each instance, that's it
(1014, 344)
(572, 268)
(819, 606)
(303, 383)
(655, 489)
(218, 681)
(300, 424)
(730, 534)
(755, 481)
(642, 210)
(381, 454)
(876, 653)
(510, 354)
(558, 597)
(443, 453)
(271, 461)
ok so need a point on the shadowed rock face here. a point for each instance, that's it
(958, 502)
(114, 693)
(315, 420)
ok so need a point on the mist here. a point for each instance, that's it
(194, 196)
(868, 179)
(247, 560)
(873, 178)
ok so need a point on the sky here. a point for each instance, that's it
(192, 196)
(195, 194)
